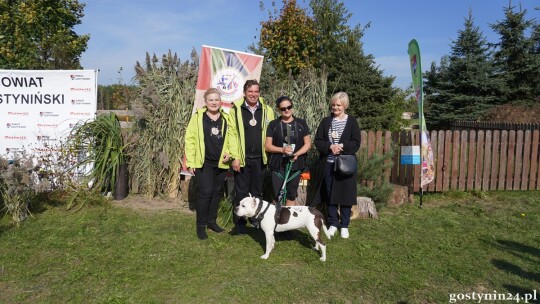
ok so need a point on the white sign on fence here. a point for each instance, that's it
(410, 155)
(39, 108)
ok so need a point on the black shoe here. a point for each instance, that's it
(201, 233)
(241, 229)
(215, 227)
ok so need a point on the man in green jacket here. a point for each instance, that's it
(249, 119)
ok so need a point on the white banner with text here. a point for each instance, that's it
(38, 108)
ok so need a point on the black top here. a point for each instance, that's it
(252, 133)
(298, 129)
(213, 140)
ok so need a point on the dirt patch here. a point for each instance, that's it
(140, 202)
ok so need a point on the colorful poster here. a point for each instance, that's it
(426, 153)
(227, 71)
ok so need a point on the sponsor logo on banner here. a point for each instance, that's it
(17, 113)
(45, 138)
(80, 89)
(45, 149)
(15, 137)
(14, 149)
(15, 125)
(227, 81)
(77, 102)
(79, 113)
(78, 77)
(44, 125)
(48, 114)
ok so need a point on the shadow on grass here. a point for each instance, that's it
(516, 270)
(518, 247)
(299, 236)
(525, 253)
(44, 200)
(523, 292)
(5, 227)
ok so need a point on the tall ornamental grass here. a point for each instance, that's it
(162, 111)
(17, 189)
(100, 144)
(308, 92)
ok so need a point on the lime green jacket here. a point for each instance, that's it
(194, 140)
(237, 142)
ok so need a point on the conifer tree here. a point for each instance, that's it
(516, 62)
(340, 50)
(464, 88)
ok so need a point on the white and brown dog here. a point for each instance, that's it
(292, 217)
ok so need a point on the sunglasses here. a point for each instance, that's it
(285, 108)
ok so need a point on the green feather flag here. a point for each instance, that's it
(426, 153)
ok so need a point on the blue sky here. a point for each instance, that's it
(121, 32)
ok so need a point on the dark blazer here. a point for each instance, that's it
(343, 188)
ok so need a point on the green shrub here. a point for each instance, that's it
(371, 170)
(99, 144)
(17, 187)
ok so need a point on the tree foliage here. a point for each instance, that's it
(479, 76)
(39, 34)
(372, 97)
(330, 44)
(331, 21)
(115, 96)
(289, 39)
(464, 86)
(516, 62)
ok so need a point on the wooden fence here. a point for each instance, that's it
(492, 125)
(465, 160)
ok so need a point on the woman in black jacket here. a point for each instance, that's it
(287, 139)
(337, 134)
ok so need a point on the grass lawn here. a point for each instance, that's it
(457, 243)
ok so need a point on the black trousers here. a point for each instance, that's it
(344, 211)
(209, 189)
(248, 181)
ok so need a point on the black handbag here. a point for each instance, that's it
(345, 165)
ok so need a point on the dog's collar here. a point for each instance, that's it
(259, 206)
(260, 215)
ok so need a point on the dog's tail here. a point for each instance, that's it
(325, 230)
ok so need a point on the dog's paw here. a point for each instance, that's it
(264, 256)
(323, 259)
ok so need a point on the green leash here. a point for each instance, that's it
(282, 197)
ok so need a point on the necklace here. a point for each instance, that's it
(252, 121)
(214, 124)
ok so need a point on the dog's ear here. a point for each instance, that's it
(254, 203)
